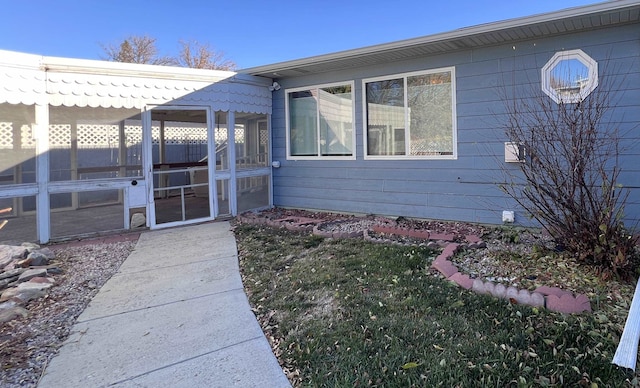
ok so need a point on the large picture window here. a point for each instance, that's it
(411, 115)
(320, 122)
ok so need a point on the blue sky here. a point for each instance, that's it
(249, 32)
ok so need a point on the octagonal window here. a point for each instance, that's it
(569, 76)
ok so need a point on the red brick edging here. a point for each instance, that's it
(552, 298)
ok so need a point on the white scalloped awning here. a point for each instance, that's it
(30, 79)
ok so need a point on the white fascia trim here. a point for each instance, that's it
(353, 118)
(20, 60)
(88, 66)
(607, 6)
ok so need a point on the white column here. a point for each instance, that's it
(73, 134)
(211, 164)
(233, 200)
(147, 165)
(270, 158)
(43, 211)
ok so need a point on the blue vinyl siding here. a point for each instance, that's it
(464, 189)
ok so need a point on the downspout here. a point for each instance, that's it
(627, 352)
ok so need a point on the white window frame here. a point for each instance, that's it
(404, 76)
(582, 57)
(353, 121)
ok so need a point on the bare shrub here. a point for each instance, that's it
(569, 179)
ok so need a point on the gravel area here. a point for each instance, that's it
(28, 344)
(346, 223)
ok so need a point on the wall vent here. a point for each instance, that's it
(514, 152)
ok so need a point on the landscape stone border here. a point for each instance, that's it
(26, 273)
(551, 298)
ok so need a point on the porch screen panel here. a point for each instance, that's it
(17, 169)
(18, 220)
(385, 117)
(303, 122)
(253, 192)
(221, 136)
(94, 143)
(70, 221)
(252, 141)
(17, 144)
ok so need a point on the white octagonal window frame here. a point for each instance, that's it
(570, 90)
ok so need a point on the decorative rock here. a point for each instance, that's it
(9, 253)
(8, 304)
(462, 280)
(48, 253)
(4, 283)
(537, 299)
(35, 285)
(42, 280)
(53, 270)
(499, 291)
(524, 297)
(32, 273)
(12, 313)
(511, 294)
(478, 286)
(489, 288)
(30, 246)
(138, 220)
(37, 259)
(12, 273)
(25, 292)
(445, 267)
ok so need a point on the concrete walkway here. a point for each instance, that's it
(175, 315)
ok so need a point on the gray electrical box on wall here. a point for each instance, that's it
(513, 152)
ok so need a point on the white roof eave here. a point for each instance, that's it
(273, 70)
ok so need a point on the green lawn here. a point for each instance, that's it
(353, 313)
